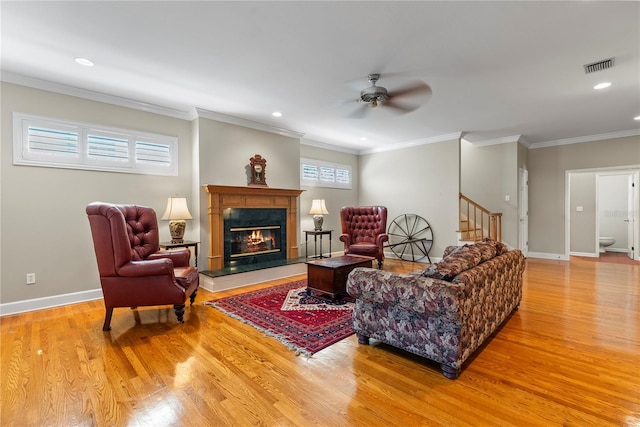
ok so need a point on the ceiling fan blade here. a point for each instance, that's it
(360, 112)
(400, 108)
(419, 88)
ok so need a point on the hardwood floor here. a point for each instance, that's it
(570, 356)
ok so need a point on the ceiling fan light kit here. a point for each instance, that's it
(374, 94)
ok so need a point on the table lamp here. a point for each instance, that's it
(318, 208)
(177, 212)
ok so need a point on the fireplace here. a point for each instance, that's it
(253, 241)
(223, 199)
(254, 235)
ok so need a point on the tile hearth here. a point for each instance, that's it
(252, 267)
(245, 275)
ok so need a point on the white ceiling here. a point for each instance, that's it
(497, 70)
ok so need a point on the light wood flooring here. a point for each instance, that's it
(569, 357)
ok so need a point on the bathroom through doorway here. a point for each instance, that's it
(602, 212)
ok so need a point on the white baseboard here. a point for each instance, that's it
(232, 281)
(585, 254)
(545, 255)
(48, 302)
(619, 250)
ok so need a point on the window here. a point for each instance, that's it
(317, 173)
(47, 142)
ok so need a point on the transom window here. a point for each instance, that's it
(318, 173)
(40, 141)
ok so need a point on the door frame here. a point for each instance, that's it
(523, 211)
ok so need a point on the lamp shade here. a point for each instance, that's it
(318, 207)
(177, 209)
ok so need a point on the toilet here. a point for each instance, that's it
(606, 242)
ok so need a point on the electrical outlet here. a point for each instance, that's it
(31, 278)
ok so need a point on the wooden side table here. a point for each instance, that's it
(315, 235)
(184, 244)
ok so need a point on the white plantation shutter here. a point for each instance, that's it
(107, 148)
(317, 173)
(327, 174)
(343, 176)
(153, 153)
(47, 142)
(50, 140)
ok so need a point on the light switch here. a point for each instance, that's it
(579, 209)
(507, 198)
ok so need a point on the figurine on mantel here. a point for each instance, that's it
(258, 165)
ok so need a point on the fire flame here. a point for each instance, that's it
(256, 237)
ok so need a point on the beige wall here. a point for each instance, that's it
(582, 193)
(547, 173)
(335, 198)
(224, 153)
(43, 226)
(422, 180)
(489, 174)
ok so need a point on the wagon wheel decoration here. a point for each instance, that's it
(410, 237)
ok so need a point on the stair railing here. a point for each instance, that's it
(477, 222)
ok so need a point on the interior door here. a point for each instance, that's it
(523, 212)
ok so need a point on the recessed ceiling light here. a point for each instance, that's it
(602, 85)
(276, 114)
(364, 138)
(636, 118)
(84, 61)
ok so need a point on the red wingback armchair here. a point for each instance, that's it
(132, 270)
(364, 230)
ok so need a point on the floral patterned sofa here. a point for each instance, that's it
(445, 312)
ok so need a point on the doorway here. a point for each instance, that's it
(616, 213)
(590, 211)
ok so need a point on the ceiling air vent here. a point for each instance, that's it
(599, 66)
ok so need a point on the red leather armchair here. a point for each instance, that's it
(132, 270)
(364, 230)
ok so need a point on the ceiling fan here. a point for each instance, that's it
(375, 95)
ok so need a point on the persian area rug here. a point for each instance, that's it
(302, 322)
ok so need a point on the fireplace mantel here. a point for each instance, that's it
(222, 197)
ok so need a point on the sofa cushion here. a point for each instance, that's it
(461, 258)
(451, 250)
(457, 261)
(433, 272)
(501, 248)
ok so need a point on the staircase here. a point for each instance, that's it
(477, 222)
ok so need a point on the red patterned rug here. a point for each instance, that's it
(307, 324)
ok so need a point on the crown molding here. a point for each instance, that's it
(35, 83)
(327, 146)
(414, 143)
(202, 113)
(503, 140)
(588, 138)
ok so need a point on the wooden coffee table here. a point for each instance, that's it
(329, 275)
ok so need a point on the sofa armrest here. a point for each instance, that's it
(431, 297)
